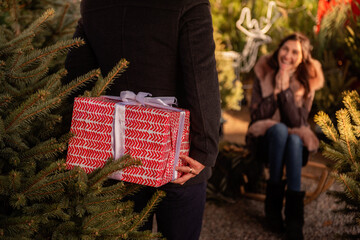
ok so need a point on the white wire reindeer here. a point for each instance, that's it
(255, 36)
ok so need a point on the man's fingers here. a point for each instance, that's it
(187, 169)
(183, 179)
(194, 168)
(187, 159)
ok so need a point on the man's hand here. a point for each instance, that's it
(193, 169)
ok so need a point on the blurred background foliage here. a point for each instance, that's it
(336, 45)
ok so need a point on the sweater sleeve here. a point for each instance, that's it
(261, 107)
(200, 82)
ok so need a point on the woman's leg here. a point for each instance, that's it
(276, 137)
(276, 141)
(294, 206)
(293, 162)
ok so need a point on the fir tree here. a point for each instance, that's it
(39, 198)
(16, 15)
(344, 150)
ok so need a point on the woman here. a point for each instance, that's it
(282, 97)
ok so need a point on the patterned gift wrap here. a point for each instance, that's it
(147, 133)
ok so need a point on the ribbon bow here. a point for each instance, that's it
(145, 98)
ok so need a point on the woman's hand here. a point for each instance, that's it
(193, 169)
(282, 79)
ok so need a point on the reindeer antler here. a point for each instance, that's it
(253, 24)
(255, 35)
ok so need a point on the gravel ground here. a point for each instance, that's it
(244, 220)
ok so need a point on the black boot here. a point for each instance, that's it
(273, 206)
(294, 215)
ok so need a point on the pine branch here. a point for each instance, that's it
(101, 86)
(40, 110)
(99, 216)
(19, 226)
(60, 47)
(10, 89)
(53, 80)
(20, 114)
(62, 18)
(145, 235)
(348, 183)
(49, 14)
(14, 180)
(145, 213)
(348, 152)
(77, 83)
(56, 166)
(104, 199)
(14, 9)
(114, 189)
(46, 193)
(15, 141)
(47, 149)
(350, 103)
(356, 130)
(344, 127)
(325, 123)
(48, 83)
(46, 212)
(119, 189)
(111, 167)
(50, 186)
(121, 223)
(29, 76)
(5, 35)
(9, 47)
(4, 100)
(115, 224)
(14, 59)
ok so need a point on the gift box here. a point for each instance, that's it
(145, 128)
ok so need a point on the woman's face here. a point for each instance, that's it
(290, 55)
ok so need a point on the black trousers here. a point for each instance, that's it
(179, 215)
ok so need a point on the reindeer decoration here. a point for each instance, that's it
(255, 35)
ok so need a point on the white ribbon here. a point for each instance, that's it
(143, 99)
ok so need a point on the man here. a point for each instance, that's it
(170, 47)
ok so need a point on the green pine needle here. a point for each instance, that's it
(106, 82)
(111, 167)
(77, 83)
(326, 125)
(345, 127)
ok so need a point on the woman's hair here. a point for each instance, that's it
(305, 70)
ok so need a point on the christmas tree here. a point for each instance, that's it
(16, 15)
(39, 198)
(344, 151)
